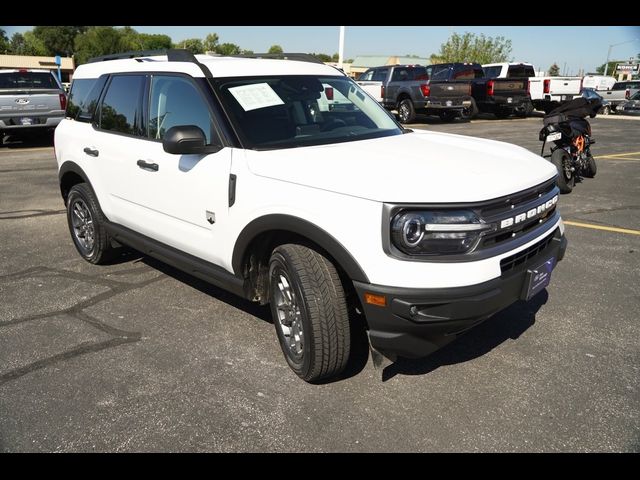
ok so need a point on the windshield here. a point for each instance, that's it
(295, 111)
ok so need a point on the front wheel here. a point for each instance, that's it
(309, 310)
(406, 111)
(562, 161)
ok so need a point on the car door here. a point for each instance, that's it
(179, 200)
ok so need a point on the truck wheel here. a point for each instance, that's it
(309, 311)
(471, 111)
(406, 111)
(592, 168)
(86, 225)
(562, 161)
(606, 110)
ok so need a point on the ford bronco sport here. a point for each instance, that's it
(231, 169)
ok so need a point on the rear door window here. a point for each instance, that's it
(440, 73)
(121, 107)
(401, 75)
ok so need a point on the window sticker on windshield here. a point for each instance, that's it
(254, 96)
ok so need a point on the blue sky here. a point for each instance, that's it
(579, 47)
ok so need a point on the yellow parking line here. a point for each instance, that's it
(624, 159)
(601, 227)
(621, 154)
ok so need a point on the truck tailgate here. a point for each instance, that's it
(29, 103)
(450, 89)
(372, 88)
(510, 86)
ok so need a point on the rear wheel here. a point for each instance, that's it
(406, 111)
(606, 110)
(592, 168)
(309, 310)
(86, 224)
(562, 161)
(471, 111)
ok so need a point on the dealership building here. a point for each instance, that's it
(42, 63)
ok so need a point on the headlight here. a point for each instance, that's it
(437, 232)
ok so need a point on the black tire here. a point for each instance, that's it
(323, 319)
(566, 179)
(406, 111)
(448, 116)
(470, 112)
(591, 169)
(606, 110)
(93, 243)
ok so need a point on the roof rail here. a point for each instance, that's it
(302, 57)
(132, 54)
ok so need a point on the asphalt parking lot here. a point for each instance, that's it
(137, 356)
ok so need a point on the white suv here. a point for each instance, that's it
(228, 169)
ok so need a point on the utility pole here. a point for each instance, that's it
(341, 48)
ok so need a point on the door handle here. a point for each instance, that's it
(91, 152)
(151, 167)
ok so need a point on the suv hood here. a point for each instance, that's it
(419, 167)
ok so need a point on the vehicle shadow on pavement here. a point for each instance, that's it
(32, 141)
(254, 309)
(505, 325)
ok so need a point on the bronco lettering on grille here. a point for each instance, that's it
(529, 214)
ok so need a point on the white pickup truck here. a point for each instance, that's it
(546, 93)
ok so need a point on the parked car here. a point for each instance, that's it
(547, 93)
(500, 96)
(407, 89)
(631, 106)
(591, 94)
(31, 101)
(621, 92)
(342, 220)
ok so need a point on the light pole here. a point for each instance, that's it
(606, 65)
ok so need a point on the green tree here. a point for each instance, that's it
(554, 70)
(194, 45)
(612, 67)
(5, 46)
(18, 46)
(228, 49)
(470, 47)
(98, 41)
(58, 40)
(335, 57)
(210, 43)
(275, 49)
(323, 57)
(33, 45)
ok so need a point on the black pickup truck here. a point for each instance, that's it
(407, 89)
(500, 96)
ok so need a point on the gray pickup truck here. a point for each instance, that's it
(407, 89)
(620, 93)
(31, 101)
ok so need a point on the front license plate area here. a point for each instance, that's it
(537, 279)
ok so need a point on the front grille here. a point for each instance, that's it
(512, 261)
(505, 207)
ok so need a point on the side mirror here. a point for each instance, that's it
(187, 139)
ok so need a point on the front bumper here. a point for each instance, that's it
(417, 322)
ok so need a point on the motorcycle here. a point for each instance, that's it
(570, 133)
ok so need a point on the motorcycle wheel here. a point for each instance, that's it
(591, 169)
(562, 161)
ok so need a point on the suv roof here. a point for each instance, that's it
(218, 66)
